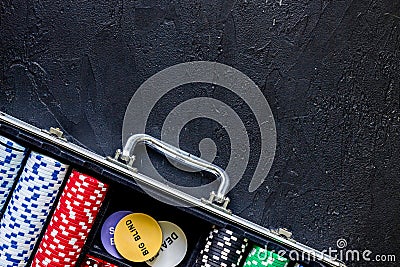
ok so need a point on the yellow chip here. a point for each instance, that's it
(138, 237)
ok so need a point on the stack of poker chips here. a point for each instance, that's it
(262, 257)
(29, 206)
(222, 248)
(71, 222)
(11, 157)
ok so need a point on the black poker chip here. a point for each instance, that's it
(227, 233)
(215, 252)
(222, 251)
(222, 248)
(222, 243)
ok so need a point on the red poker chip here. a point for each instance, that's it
(76, 211)
(81, 197)
(66, 232)
(39, 260)
(53, 261)
(66, 241)
(84, 187)
(80, 206)
(60, 228)
(86, 200)
(66, 226)
(58, 255)
(68, 246)
(63, 218)
(49, 251)
(70, 216)
(77, 214)
(58, 246)
(72, 230)
(72, 227)
(78, 189)
(68, 219)
(57, 233)
(88, 180)
(42, 260)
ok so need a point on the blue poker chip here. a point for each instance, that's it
(11, 171)
(31, 208)
(45, 160)
(14, 262)
(34, 173)
(11, 150)
(7, 149)
(11, 260)
(12, 144)
(35, 192)
(16, 227)
(36, 164)
(41, 179)
(16, 218)
(44, 201)
(23, 215)
(21, 254)
(16, 251)
(8, 176)
(41, 200)
(43, 184)
(42, 165)
(19, 239)
(22, 198)
(7, 163)
(4, 184)
(11, 156)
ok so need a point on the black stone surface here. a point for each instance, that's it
(329, 70)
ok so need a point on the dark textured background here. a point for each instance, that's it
(329, 70)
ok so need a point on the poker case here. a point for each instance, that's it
(124, 191)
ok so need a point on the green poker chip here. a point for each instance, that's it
(262, 257)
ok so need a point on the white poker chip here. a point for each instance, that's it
(9, 153)
(173, 248)
(9, 143)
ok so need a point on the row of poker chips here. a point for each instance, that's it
(223, 248)
(71, 222)
(29, 206)
(259, 256)
(91, 261)
(11, 157)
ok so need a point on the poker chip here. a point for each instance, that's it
(71, 222)
(11, 157)
(259, 256)
(173, 248)
(222, 248)
(138, 237)
(107, 232)
(11, 144)
(29, 206)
